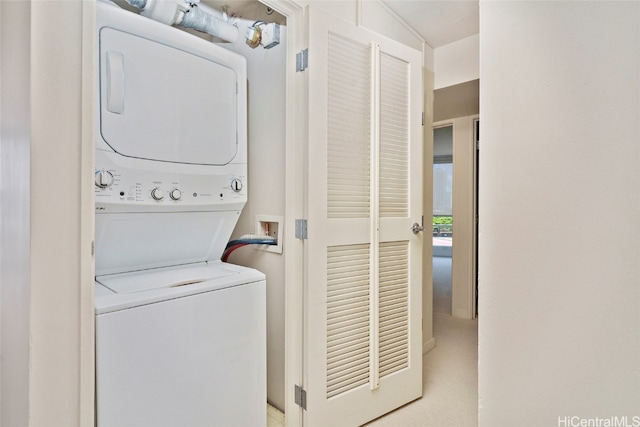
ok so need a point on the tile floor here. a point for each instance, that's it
(275, 418)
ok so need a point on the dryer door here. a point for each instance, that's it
(162, 103)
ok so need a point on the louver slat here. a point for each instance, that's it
(352, 335)
(394, 137)
(393, 307)
(348, 329)
(348, 137)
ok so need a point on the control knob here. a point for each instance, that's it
(236, 185)
(157, 193)
(175, 194)
(103, 178)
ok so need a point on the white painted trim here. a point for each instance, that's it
(295, 171)
(474, 239)
(471, 248)
(427, 209)
(443, 123)
(428, 346)
(87, 216)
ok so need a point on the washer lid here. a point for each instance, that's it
(124, 291)
(161, 102)
(172, 277)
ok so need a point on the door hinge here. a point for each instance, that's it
(302, 60)
(423, 118)
(301, 229)
(300, 397)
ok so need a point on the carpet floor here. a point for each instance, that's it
(450, 370)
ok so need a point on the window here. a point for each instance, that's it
(443, 187)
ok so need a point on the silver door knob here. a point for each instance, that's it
(416, 228)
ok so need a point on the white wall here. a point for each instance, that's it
(559, 207)
(15, 39)
(457, 62)
(266, 75)
(46, 216)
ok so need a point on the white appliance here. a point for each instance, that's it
(180, 336)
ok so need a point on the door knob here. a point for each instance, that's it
(416, 228)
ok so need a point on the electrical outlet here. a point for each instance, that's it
(269, 225)
(270, 35)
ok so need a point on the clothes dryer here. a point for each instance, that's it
(180, 335)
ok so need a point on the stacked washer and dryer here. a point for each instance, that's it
(180, 335)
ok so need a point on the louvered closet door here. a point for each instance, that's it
(362, 352)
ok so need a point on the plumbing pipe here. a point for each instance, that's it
(222, 15)
(199, 20)
(166, 11)
(188, 15)
(247, 239)
(140, 4)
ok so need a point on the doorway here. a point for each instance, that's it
(443, 191)
(459, 203)
(442, 217)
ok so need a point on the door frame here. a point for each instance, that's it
(464, 256)
(295, 202)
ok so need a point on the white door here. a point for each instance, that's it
(163, 102)
(363, 338)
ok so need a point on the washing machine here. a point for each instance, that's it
(180, 335)
(181, 346)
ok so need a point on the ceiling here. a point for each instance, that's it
(439, 22)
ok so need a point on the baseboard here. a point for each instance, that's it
(428, 346)
(462, 313)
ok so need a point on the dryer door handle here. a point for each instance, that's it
(115, 82)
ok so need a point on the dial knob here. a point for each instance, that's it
(236, 185)
(157, 193)
(175, 194)
(103, 178)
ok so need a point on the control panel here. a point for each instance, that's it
(122, 189)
